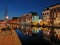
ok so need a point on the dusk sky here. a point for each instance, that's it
(20, 7)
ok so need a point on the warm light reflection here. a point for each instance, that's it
(35, 30)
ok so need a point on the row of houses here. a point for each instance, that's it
(25, 19)
(52, 16)
(12, 22)
(26, 22)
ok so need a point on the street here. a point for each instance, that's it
(9, 38)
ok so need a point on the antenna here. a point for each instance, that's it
(6, 15)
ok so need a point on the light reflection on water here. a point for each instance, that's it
(26, 40)
(29, 30)
(26, 33)
(22, 35)
(46, 32)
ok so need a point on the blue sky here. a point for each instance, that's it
(20, 7)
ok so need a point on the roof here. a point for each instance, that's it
(55, 5)
(15, 17)
(46, 9)
(2, 20)
(51, 6)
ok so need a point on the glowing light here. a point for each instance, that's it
(7, 17)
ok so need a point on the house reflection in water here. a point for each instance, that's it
(29, 30)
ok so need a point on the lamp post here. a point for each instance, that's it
(6, 20)
(7, 17)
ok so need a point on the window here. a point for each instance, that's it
(47, 13)
(58, 9)
(55, 15)
(43, 13)
(54, 10)
(58, 23)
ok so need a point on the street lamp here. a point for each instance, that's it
(6, 20)
(7, 17)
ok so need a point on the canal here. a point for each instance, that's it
(32, 40)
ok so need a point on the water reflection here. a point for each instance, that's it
(35, 30)
(52, 34)
(29, 30)
(57, 33)
(30, 40)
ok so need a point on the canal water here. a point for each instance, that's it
(32, 40)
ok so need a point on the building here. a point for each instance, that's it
(14, 22)
(27, 18)
(30, 18)
(46, 15)
(2, 23)
(35, 20)
(52, 15)
(25, 21)
(55, 14)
